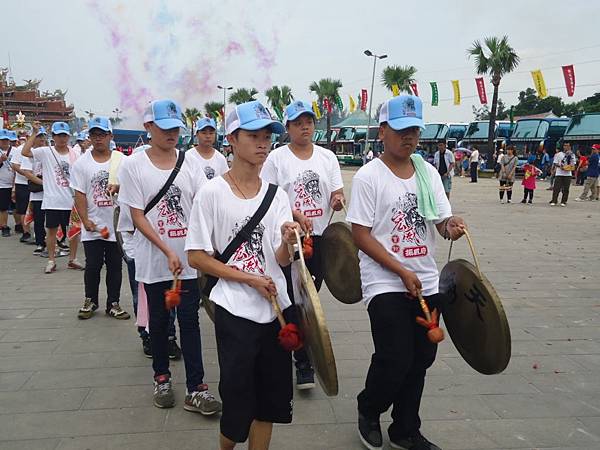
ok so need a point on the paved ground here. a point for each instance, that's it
(68, 384)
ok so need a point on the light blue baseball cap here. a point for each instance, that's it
(61, 128)
(12, 135)
(4, 134)
(204, 122)
(166, 114)
(296, 109)
(404, 111)
(82, 136)
(101, 123)
(41, 132)
(252, 116)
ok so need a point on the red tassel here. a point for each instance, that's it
(290, 338)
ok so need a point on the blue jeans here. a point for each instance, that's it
(134, 293)
(189, 329)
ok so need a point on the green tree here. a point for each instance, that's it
(327, 88)
(403, 76)
(213, 109)
(483, 113)
(191, 115)
(242, 95)
(494, 57)
(279, 98)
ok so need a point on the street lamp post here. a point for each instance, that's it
(224, 89)
(375, 58)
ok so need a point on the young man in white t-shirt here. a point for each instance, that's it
(212, 161)
(311, 177)
(255, 383)
(396, 238)
(94, 203)
(564, 165)
(56, 163)
(160, 253)
(7, 177)
(33, 172)
(21, 192)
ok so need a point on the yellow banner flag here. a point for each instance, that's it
(316, 110)
(352, 104)
(456, 88)
(539, 83)
(395, 90)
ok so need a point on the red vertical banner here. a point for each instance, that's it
(481, 90)
(415, 89)
(327, 105)
(569, 74)
(363, 100)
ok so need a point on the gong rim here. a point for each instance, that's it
(341, 270)
(208, 305)
(118, 235)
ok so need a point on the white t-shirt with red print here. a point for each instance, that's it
(388, 205)
(215, 166)
(56, 178)
(217, 216)
(91, 178)
(140, 181)
(308, 183)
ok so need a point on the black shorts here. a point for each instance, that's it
(256, 374)
(5, 195)
(57, 217)
(22, 198)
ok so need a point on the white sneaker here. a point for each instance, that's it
(579, 199)
(50, 267)
(552, 204)
(563, 204)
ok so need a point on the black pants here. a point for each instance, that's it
(97, 253)
(402, 355)
(315, 268)
(39, 218)
(189, 329)
(561, 184)
(509, 185)
(473, 172)
(528, 193)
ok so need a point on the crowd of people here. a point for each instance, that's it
(182, 213)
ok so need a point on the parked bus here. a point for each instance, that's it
(477, 135)
(582, 132)
(438, 132)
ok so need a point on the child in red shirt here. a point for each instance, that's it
(531, 173)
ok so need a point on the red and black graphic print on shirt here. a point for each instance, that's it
(171, 215)
(100, 189)
(308, 194)
(209, 172)
(249, 257)
(409, 231)
(62, 173)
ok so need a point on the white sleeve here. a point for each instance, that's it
(335, 175)
(77, 178)
(284, 214)
(362, 203)
(130, 191)
(201, 224)
(269, 171)
(224, 166)
(38, 153)
(26, 164)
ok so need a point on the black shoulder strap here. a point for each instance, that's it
(167, 184)
(246, 231)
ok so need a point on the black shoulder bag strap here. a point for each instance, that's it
(243, 235)
(167, 184)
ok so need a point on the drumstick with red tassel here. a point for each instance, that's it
(307, 246)
(173, 295)
(435, 334)
(290, 336)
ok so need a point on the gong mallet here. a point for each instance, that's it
(173, 295)
(435, 334)
(290, 336)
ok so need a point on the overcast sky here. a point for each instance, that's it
(112, 53)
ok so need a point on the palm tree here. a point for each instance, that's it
(279, 98)
(191, 115)
(495, 57)
(327, 88)
(213, 109)
(403, 76)
(242, 95)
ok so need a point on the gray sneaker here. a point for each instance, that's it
(87, 310)
(163, 392)
(202, 401)
(116, 312)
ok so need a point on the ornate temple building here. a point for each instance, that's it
(45, 107)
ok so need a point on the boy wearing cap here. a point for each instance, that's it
(33, 172)
(21, 191)
(213, 162)
(311, 177)
(58, 196)
(397, 203)
(7, 177)
(89, 180)
(83, 142)
(160, 251)
(255, 382)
